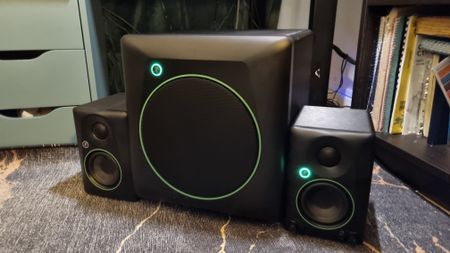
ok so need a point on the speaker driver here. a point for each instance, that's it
(325, 204)
(103, 169)
(100, 130)
(200, 137)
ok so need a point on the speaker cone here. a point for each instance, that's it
(103, 169)
(325, 204)
(200, 137)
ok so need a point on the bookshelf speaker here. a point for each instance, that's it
(329, 173)
(102, 134)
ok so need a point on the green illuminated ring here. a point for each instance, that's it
(302, 175)
(243, 102)
(92, 180)
(319, 226)
(154, 73)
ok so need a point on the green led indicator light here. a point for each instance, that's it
(156, 69)
(304, 173)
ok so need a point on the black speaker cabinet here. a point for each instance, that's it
(329, 173)
(102, 134)
(209, 116)
(321, 21)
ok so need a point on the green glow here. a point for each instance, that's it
(156, 69)
(304, 173)
(249, 110)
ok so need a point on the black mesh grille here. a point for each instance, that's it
(200, 137)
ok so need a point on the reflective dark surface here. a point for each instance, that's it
(146, 16)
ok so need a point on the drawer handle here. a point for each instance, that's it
(21, 55)
(27, 113)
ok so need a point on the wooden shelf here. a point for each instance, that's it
(425, 168)
(406, 2)
(436, 159)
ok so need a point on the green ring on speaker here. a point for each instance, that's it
(226, 86)
(319, 226)
(92, 180)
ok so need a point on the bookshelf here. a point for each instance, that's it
(425, 168)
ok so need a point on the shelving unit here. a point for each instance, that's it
(425, 168)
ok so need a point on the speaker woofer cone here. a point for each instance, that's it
(103, 169)
(325, 204)
(211, 133)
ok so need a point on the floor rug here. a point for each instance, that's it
(43, 208)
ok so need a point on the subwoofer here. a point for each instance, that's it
(102, 134)
(329, 173)
(209, 116)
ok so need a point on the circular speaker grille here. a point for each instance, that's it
(325, 204)
(200, 137)
(102, 169)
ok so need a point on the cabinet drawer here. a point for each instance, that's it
(57, 127)
(55, 78)
(39, 25)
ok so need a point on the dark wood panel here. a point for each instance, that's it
(414, 148)
(364, 61)
(407, 2)
(423, 167)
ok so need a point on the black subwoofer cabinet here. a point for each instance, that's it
(209, 116)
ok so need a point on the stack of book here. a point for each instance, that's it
(405, 97)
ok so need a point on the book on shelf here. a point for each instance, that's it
(439, 123)
(387, 67)
(442, 73)
(398, 111)
(403, 97)
(438, 48)
(415, 102)
(382, 72)
(376, 63)
(448, 131)
(435, 46)
(429, 97)
(434, 26)
(393, 71)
